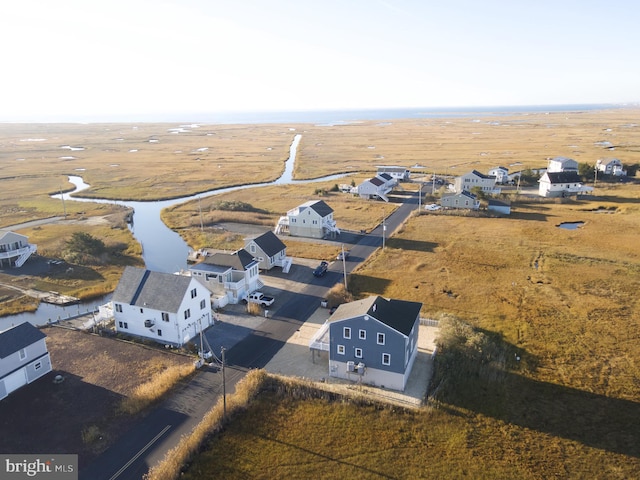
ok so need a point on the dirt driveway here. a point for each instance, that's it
(98, 372)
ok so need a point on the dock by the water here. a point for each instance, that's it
(56, 298)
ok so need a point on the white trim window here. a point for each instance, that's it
(118, 307)
(22, 354)
(165, 316)
(340, 350)
(362, 334)
(381, 338)
(346, 332)
(358, 353)
(386, 359)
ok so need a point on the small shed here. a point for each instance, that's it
(497, 206)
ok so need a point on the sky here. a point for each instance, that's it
(97, 59)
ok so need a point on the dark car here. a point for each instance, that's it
(321, 269)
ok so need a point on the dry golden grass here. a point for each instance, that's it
(558, 294)
(150, 392)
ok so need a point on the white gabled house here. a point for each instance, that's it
(562, 164)
(229, 277)
(377, 187)
(164, 307)
(312, 219)
(501, 174)
(373, 341)
(400, 174)
(269, 251)
(23, 357)
(15, 249)
(473, 179)
(561, 184)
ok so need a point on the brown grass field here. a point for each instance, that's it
(563, 301)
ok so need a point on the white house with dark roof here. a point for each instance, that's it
(312, 219)
(269, 251)
(562, 164)
(473, 179)
(377, 187)
(15, 249)
(168, 308)
(401, 174)
(229, 277)
(561, 184)
(501, 174)
(373, 341)
(23, 357)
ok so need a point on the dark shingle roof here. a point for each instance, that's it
(321, 208)
(239, 260)
(18, 337)
(377, 181)
(156, 290)
(481, 175)
(397, 314)
(386, 176)
(564, 177)
(269, 243)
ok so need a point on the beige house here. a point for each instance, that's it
(313, 219)
(473, 179)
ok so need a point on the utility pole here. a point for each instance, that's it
(420, 198)
(224, 390)
(384, 229)
(200, 208)
(344, 267)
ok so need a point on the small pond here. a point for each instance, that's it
(570, 225)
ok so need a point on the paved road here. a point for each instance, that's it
(149, 438)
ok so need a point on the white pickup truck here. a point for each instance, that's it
(260, 298)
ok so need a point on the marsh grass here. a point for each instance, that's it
(150, 392)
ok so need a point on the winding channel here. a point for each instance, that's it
(163, 249)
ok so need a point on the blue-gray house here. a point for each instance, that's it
(373, 341)
(23, 357)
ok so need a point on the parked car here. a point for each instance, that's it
(432, 207)
(343, 255)
(260, 298)
(321, 269)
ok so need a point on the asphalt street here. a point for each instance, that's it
(150, 437)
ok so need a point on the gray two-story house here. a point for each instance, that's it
(373, 341)
(23, 357)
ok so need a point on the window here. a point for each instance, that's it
(37, 365)
(126, 325)
(187, 313)
(362, 334)
(118, 308)
(22, 354)
(159, 332)
(346, 332)
(165, 317)
(141, 310)
(381, 339)
(340, 349)
(358, 353)
(194, 293)
(202, 304)
(120, 324)
(252, 248)
(386, 359)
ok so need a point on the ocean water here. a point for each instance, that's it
(323, 117)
